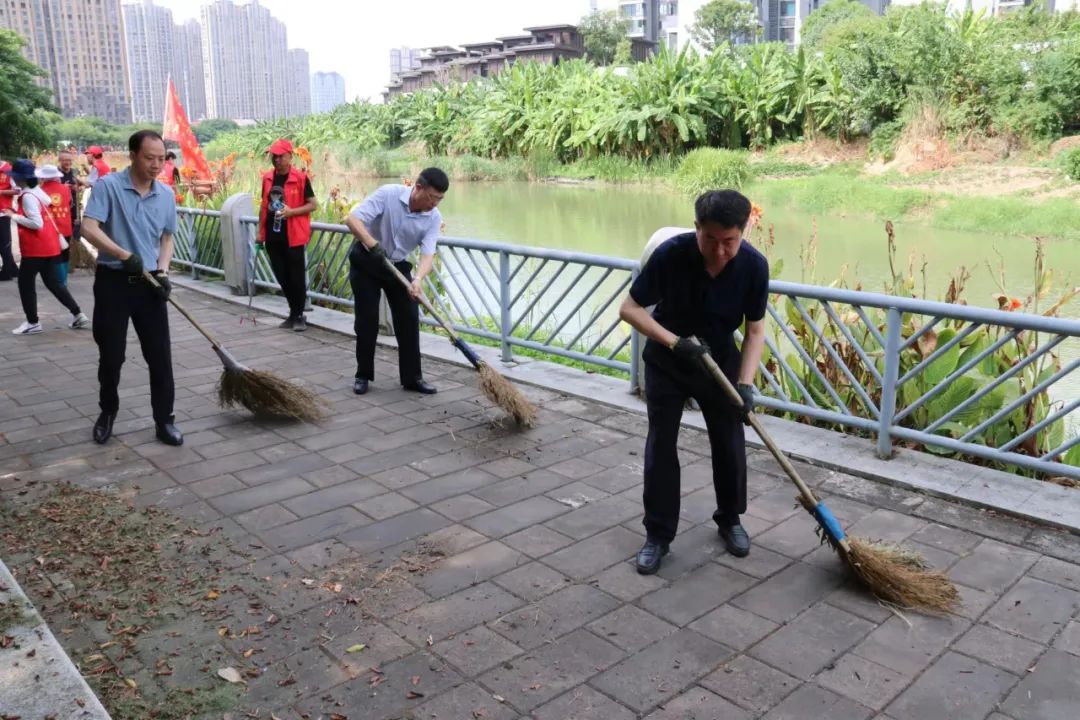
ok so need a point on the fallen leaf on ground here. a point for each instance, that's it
(415, 679)
(412, 694)
(213, 595)
(356, 648)
(230, 674)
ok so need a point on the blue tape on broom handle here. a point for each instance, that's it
(829, 522)
(467, 351)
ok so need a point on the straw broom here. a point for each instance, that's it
(894, 575)
(262, 393)
(496, 387)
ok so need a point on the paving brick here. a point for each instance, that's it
(477, 650)
(398, 477)
(391, 698)
(1069, 640)
(625, 583)
(699, 704)
(553, 616)
(325, 477)
(887, 526)
(1034, 609)
(454, 539)
(1050, 692)
(1058, 572)
(666, 667)
(461, 507)
(532, 581)
(250, 498)
(303, 674)
(381, 645)
(631, 628)
(776, 505)
(863, 681)
(265, 517)
(537, 541)
(955, 687)
(445, 486)
(946, 538)
(594, 517)
(471, 567)
(212, 487)
(512, 518)
(341, 495)
(973, 520)
(466, 701)
(733, 627)
(793, 537)
(322, 555)
(213, 468)
(1055, 543)
(760, 563)
(533, 679)
(1008, 652)
(518, 488)
(457, 612)
(909, 645)
(590, 556)
(312, 529)
(813, 702)
(789, 592)
(384, 533)
(695, 594)
(617, 479)
(281, 470)
(583, 703)
(454, 461)
(811, 641)
(386, 505)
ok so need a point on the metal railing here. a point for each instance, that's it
(997, 385)
(197, 242)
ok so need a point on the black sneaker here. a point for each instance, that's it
(286, 324)
(299, 324)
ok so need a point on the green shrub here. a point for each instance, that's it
(711, 169)
(884, 138)
(1070, 163)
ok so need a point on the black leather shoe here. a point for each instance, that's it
(421, 386)
(360, 386)
(299, 324)
(286, 324)
(648, 557)
(735, 539)
(168, 434)
(103, 427)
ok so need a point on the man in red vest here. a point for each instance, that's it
(285, 228)
(98, 167)
(8, 269)
(60, 194)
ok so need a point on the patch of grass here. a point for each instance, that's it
(838, 191)
(619, 169)
(711, 169)
(179, 704)
(1055, 217)
(13, 614)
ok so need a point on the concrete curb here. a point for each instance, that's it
(1035, 500)
(37, 678)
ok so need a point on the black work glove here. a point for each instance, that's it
(687, 349)
(133, 264)
(746, 393)
(164, 287)
(376, 252)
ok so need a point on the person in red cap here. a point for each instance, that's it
(8, 269)
(285, 228)
(98, 167)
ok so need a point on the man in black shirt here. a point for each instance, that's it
(285, 227)
(703, 284)
(70, 177)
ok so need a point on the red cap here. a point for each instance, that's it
(280, 147)
(95, 150)
(4, 166)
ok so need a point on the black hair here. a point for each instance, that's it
(135, 142)
(30, 182)
(435, 178)
(726, 208)
(170, 155)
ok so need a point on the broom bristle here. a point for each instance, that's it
(894, 574)
(266, 395)
(503, 393)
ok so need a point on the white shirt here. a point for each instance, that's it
(31, 200)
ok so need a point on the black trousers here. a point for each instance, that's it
(8, 268)
(289, 269)
(368, 279)
(119, 297)
(47, 268)
(669, 381)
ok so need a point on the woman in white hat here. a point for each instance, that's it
(39, 244)
(59, 193)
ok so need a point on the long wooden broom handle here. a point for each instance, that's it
(422, 299)
(206, 334)
(733, 397)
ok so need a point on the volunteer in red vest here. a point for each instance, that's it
(285, 228)
(98, 167)
(8, 269)
(39, 244)
(52, 182)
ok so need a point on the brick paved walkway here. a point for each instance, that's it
(536, 610)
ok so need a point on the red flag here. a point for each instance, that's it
(177, 128)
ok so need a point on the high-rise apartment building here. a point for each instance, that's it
(189, 73)
(151, 51)
(402, 60)
(299, 99)
(81, 45)
(327, 91)
(246, 61)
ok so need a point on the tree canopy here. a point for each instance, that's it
(21, 100)
(603, 31)
(723, 22)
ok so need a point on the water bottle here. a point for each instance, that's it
(277, 222)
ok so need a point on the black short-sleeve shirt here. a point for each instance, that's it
(282, 236)
(690, 302)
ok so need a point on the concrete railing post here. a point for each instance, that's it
(235, 248)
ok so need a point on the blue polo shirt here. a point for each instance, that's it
(386, 215)
(132, 221)
(690, 302)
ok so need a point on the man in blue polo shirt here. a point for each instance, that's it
(391, 223)
(130, 219)
(703, 284)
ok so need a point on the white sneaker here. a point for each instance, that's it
(80, 321)
(27, 328)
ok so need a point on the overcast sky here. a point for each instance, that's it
(355, 38)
